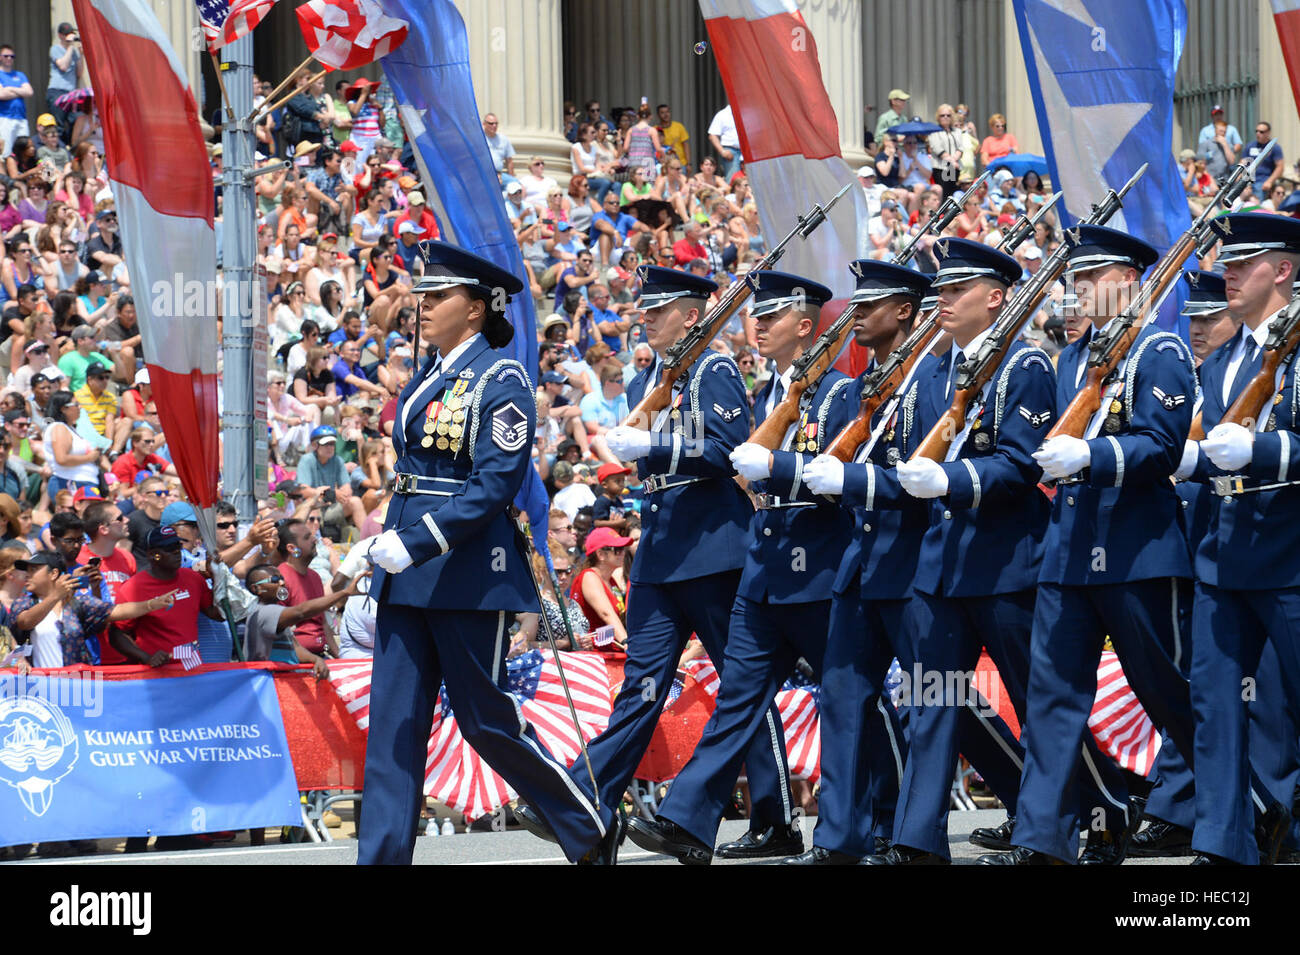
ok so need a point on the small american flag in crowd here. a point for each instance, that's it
(603, 636)
(348, 34)
(1118, 723)
(454, 773)
(187, 655)
(225, 21)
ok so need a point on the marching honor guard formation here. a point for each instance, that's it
(965, 494)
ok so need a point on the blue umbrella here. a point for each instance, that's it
(1291, 203)
(915, 128)
(1021, 163)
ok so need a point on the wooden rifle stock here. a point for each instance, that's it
(1197, 432)
(945, 430)
(858, 431)
(1085, 404)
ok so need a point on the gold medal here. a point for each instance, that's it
(444, 415)
(799, 445)
(426, 441)
(812, 446)
(430, 424)
(1277, 398)
(454, 403)
(1115, 406)
(675, 414)
(889, 435)
(443, 444)
(455, 430)
(458, 416)
(442, 427)
(979, 423)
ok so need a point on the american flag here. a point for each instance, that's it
(225, 21)
(1118, 723)
(348, 34)
(187, 655)
(800, 717)
(454, 773)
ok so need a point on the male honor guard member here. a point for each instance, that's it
(783, 603)
(450, 574)
(979, 558)
(1116, 560)
(694, 534)
(1247, 575)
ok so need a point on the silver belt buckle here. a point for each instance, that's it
(402, 485)
(653, 483)
(1228, 485)
(767, 501)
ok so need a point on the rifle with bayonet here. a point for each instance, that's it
(975, 373)
(890, 379)
(810, 367)
(683, 353)
(1108, 351)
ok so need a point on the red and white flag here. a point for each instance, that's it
(225, 21)
(1286, 17)
(162, 184)
(790, 138)
(1118, 722)
(348, 34)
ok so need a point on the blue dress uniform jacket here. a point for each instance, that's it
(1252, 541)
(888, 523)
(460, 536)
(795, 551)
(690, 453)
(1127, 504)
(986, 534)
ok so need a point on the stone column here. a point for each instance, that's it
(516, 62)
(837, 28)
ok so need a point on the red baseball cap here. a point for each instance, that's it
(610, 469)
(604, 537)
(86, 494)
(348, 146)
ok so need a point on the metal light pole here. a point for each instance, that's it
(241, 311)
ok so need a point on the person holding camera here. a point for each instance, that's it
(67, 73)
(59, 618)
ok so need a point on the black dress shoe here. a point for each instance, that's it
(1018, 855)
(998, 839)
(1105, 847)
(819, 856)
(605, 852)
(1204, 858)
(665, 836)
(1161, 840)
(880, 845)
(776, 842)
(534, 823)
(902, 855)
(1288, 856)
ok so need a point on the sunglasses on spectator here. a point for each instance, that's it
(745, 361)
(273, 579)
(161, 492)
(224, 525)
(67, 251)
(563, 571)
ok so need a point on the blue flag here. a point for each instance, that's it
(1101, 73)
(431, 81)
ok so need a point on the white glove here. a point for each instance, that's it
(1062, 456)
(1229, 446)
(628, 444)
(388, 551)
(824, 474)
(1186, 466)
(752, 461)
(922, 478)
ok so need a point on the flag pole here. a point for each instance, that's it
(241, 443)
(221, 82)
(285, 82)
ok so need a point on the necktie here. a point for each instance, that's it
(777, 394)
(952, 372)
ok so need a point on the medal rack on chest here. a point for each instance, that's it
(444, 420)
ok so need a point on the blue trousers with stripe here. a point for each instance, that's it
(1231, 629)
(1147, 622)
(660, 619)
(765, 642)
(863, 751)
(947, 634)
(415, 651)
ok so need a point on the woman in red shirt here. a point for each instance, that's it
(601, 598)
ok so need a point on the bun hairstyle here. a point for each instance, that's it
(496, 325)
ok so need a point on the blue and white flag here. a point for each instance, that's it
(431, 81)
(1101, 73)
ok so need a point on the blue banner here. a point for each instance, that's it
(88, 758)
(431, 80)
(1101, 73)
